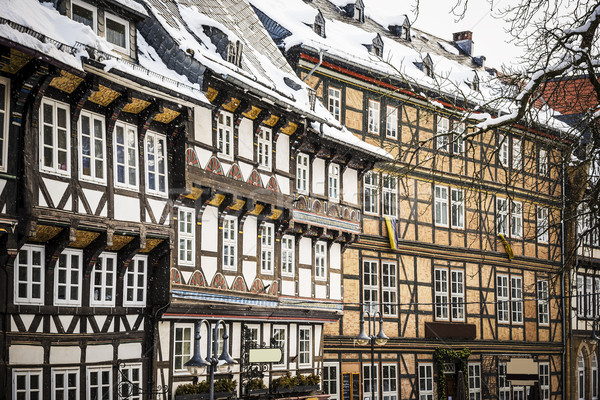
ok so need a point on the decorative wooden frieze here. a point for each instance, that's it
(191, 157)
(211, 94)
(252, 112)
(231, 104)
(136, 106)
(104, 96)
(289, 128)
(271, 120)
(66, 82)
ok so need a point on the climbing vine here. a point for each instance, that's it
(442, 356)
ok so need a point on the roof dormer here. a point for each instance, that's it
(402, 30)
(234, 53)
(377, 46)
(426, 65)
(319, 24)
(229, 50)
(475, 81)
(355, 10)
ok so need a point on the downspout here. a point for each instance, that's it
(562, 288)
(316, 66)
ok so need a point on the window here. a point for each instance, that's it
(186, 236)
(84, 13)
(441, 294)
(183, 346)
(27, 384)
(516, 219)
(425, 381)
(391, 122)
(501, 216)
(156, 163)
(458, 144)
(4, 121)
(369, 377)
(67, 278)
(103, 280)
(371, 193)
(234, 53)
(65, 384)
(457, 290)
(55, 138)
(580, 377)
(130, 381)
(503, 383)
(135, 282)
(442, 139)
(594, 378)
(503, 150)
(117, 32)
(320, 260)
(92, 165)
(370, 285)
(280, 339)
(334, 102)
(287, 255)
(304, 346)
(580, 296)
(542, 294)
(330, 381)
(588, 296)
(390, 195)
(516, 293)
(518, 393)
(544, 380)
(474, 381)
(253, 332)
(99, 383)
(457, 208)
(543, 162)
(126, 155)
(441, 205)
(264, 148)
(502, 298)
(389, 381)
(230, 243)
(517, 153)
(374, 117)
(389, 291)
(597, 296)
(334, 182)
(267, 248)
(225, 135)
(302, 173)
(29, 275)
(542, 224)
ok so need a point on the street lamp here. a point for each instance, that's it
(197, 365)
(363, 338)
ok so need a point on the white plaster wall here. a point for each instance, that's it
(246, 169)
(127, 208)
(305, 251)
(317, 339)
(246, 139)
(209, 267)
(304, 282)
(293, 344)
(236, 340)
(210, 229)
(164, 336)
(335, 256)
(249, 272)
(350, 189)
(288, 288)
(321, 291)
(203, 125)
(249, 237)
(130, 350)
(282, 155)
(284, 184)
(99, 353)
(203, 156)
(318, 176)
(335, 286)
(65, 354)
(93, 198)
(22, 354)
(56, 189)
(157, 207)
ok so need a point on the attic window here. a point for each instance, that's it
(406, 30)
(377, 46)
(428, 66)
(359, 11)
(234, 53)
(475, 82)
(84, 13)
(319, 25)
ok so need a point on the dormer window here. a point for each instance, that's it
(377, 46)
(359, 11)
(428, 66)
(402, 30)
(84, 13)
(475, 83)
(117, 32)
(319, 25)
(234, 53)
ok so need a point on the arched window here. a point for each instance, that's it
(594, 377)
(580, 377)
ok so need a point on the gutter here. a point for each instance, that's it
(562, 288)
(316, 66)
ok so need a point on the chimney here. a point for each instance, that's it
(464, 40)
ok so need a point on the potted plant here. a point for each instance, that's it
(297, 384)
(256, 387)
(223, 388)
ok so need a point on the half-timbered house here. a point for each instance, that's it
(461, 240)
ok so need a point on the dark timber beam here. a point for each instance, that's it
(55, 246)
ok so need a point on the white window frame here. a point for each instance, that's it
(125, 24)
(139, 277)
(93, 140)
(134, 389)
(370, 283)
(594, 378)
(371, 193)
(457, 207)
(502, 216)
(333, 186)
(503, 383)
(389, 290)
(334, 96)
(305, 348)
(474, 381)
(503, 150)
(267, 248)
(27, 373)
(516, 299)
(542, 299)
(5, 126)
(543, 162)
(320, 261)
(186, 235)
(457, 294)
(72, 289)
(441, 206)
(442, 134)
(425, 381)
(30, 268)
(107, 280)
(389, 381)
(130, 162)
(374, 117)
(391, 122)
(265, 145)
(580, 290)
(161, 169)
(449, 292)
(302, 173)
(56, 131)
(503, 299)
(281, 341)
(369, 369)
(458, 142)
(597, 295)
(389, 194)
(330, 381)
(288, 255)
(589, 290)
(516, 219)
(230, 243)
(88, 7)
(580, 377)
(65, 372)
(225, 135)
(99, 370)
(544, 380)
(517, 153)
(179, 346)
(441, 294)
(542, 224)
